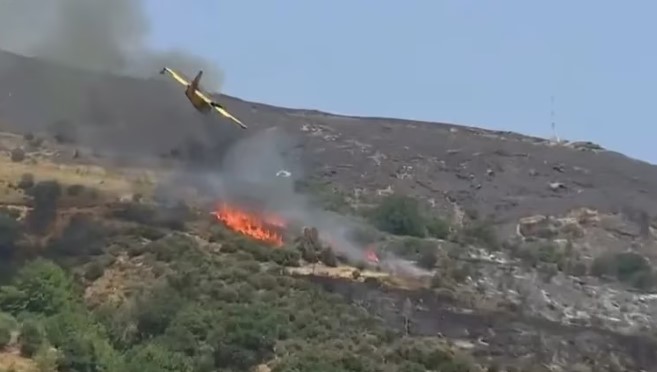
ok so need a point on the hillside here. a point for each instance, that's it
(495, 247)
(494, 172)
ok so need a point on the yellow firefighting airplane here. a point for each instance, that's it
(201, 101)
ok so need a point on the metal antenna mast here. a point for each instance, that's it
(553, 122)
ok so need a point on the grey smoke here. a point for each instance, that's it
(111, 36)
(100, 35)
(247, 176)
(93, 38)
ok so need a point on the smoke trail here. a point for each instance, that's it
(101, 35)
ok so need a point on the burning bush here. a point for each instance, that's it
(264, 228)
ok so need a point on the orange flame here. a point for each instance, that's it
(259, 228)
(370, 255)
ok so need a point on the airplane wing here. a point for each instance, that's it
(179, 78)
(220, 109)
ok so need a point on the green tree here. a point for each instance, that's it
(246, 335)
(155, 311)
(46, 359)
(81, 342)
(399, 215)
(190, 329)
(39, 287)
(152, 357)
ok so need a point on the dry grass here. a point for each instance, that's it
(90, 176)
(341, 271)
(122, 278)
(347, 272)
(13, 361)
(116, 182)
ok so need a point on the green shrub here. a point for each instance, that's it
(39, 287)
(328, 257)
(603, 265)
(628, 267)
(17, 155)
(549, 253)
(629, 264)
(644, 280)
(399, 215)
(31, 337)
(438, 228)
(94, 270)
(286, 256)
(428, 260)
(481, 232)
(412, 248)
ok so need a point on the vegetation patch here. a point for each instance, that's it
(402, 215)
(229, 309)
(627, 267)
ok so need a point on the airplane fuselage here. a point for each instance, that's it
(201, 101)
(198, 103)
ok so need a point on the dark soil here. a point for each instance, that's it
(503, 336)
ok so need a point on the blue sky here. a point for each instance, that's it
(491, 64)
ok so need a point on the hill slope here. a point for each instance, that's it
(566, 213)
(502, 173)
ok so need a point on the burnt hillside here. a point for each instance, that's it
(453, 168)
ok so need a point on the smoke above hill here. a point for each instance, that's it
(101, 35)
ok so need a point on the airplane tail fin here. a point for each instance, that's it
(197, 80)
